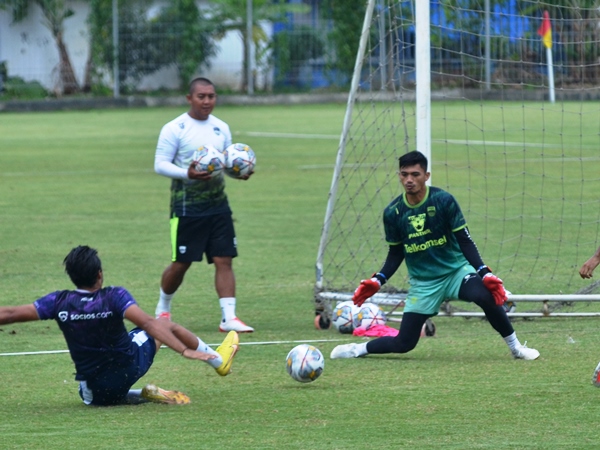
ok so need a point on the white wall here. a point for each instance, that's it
(31, 53)
(30, 50)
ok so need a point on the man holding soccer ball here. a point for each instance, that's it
(425, 226)
(109, 360)
(201, 220)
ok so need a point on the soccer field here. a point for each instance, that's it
(70, 178)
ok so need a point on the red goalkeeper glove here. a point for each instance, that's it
(366, 289)
(496, 287)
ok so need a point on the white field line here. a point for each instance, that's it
(288, 135)
(486, 143)
(496, 143)
(440, 141)
(304, 341)
(79, 172)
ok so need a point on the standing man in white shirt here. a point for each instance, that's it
(201, 219)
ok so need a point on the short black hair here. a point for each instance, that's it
(82, 264)
(413, 158)
(200, 80)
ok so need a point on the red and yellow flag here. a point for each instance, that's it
(545, 30)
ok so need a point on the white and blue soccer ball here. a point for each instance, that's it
(240, 160)
(370, 314)
(208, 159)
(345, 317)
(305, 363)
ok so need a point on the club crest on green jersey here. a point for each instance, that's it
(418, 222)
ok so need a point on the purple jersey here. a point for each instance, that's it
(92, 323)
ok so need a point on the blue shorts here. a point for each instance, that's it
(111, 385)
(426, 296)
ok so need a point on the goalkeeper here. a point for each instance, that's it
(425, 227)
(109, 360)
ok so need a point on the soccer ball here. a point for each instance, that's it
(370, 314)
(209, 159)
(305, 363)
(239, 160)
(345, 317)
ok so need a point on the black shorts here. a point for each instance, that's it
(191, 237)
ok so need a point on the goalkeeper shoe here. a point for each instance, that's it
(345, 351)
(596, 379)
(227, 350)
(235, 325)
(155, 394)
(524, 352)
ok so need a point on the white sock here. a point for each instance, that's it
(227, 308)
(164, 302)
(134, 397)
(362, 349)
(202, 347)
(512, 341)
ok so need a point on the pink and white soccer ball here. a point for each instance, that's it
(369, 315)
(345, 317)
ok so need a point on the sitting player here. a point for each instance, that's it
(109, 360)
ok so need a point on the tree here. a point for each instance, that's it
(55, 12)
(346, 18)
(292, 48)
(232, 14)
(177, 35)
(187, 36)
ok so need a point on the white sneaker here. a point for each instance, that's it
(596, 379)
(524, 352)
(345, 351)
(235, 325)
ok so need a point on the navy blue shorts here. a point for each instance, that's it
(191, 237)
(111, 385)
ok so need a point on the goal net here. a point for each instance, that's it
(512, 129)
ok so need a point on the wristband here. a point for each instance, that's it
(483, 270)
(183, 351)
(380, 277)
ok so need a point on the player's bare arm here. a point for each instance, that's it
(162, 331)
(588, 267)
(22, 313)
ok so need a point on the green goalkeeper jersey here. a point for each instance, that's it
(426, 232)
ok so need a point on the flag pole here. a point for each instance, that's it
(545, 31)
(550, 73)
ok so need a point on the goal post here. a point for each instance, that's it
(342, 145)
(471, 92)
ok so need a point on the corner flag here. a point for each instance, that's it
(545, 30)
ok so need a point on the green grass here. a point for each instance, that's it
(70, 178)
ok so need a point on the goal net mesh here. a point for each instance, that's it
(525, 170)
